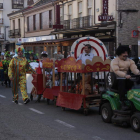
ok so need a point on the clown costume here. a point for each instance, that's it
(17, 73)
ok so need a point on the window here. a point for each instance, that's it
(28, 24)
(80, 14)
(79, 8)
(41, 21)
(19, 24)
(89, 2)
(70, 15)
(34, 22)
(89, 6)
(17, 4)
(61, 15)
(89, 12)
(50, 18)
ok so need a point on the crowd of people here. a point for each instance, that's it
(14, 68)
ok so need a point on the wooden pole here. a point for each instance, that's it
(44, 78)
(53, 78)
(83, 84)
(61, 82)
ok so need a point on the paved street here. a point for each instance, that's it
(39, 121)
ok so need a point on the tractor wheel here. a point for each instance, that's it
(135, 122)
(106, 112)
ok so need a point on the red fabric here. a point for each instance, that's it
(70, 100)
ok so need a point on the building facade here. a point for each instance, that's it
(6, 7)
(88, 18)
(111, 21)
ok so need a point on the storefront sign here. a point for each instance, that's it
(135, 33)
(105, 7)
(104, 16)
(34, 39)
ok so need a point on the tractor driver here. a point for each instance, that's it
(120, 66)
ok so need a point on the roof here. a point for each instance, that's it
(18, 11)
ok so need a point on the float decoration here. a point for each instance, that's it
(98, 48)
(97, 65)
(47, 63)
(70, 65)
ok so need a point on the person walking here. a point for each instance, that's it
(5, 68)
(17, 74)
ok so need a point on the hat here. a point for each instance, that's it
(44, 52)
(19, 49)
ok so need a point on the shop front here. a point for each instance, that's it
(50, 46)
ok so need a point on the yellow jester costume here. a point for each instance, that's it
(17, 71)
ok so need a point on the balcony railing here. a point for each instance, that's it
(11, 33)
(81, 22)
(17, 32)
(1, 20)
(1, 35)
(1, 5)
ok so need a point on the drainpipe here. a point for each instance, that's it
(94, 12)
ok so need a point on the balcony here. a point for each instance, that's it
(14, 33)
(1, 35)
(81, 22)
(1, 6)
(17, 33)
(11, 33)
(1, 20)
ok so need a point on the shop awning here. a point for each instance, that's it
(52, 42)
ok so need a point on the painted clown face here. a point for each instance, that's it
(19, 52)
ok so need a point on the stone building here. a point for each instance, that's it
(127, 16)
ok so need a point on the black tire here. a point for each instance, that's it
(48, 101)
(106, 112)
(135, 122)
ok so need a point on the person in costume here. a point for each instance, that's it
(2, 70)
(17, 74)
(31, 59)
(121, 66)
(87, 55)
(5, 68)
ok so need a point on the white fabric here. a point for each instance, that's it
(57, 83)
(84, 58)
(29, 84)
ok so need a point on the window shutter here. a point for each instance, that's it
(80, 7)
